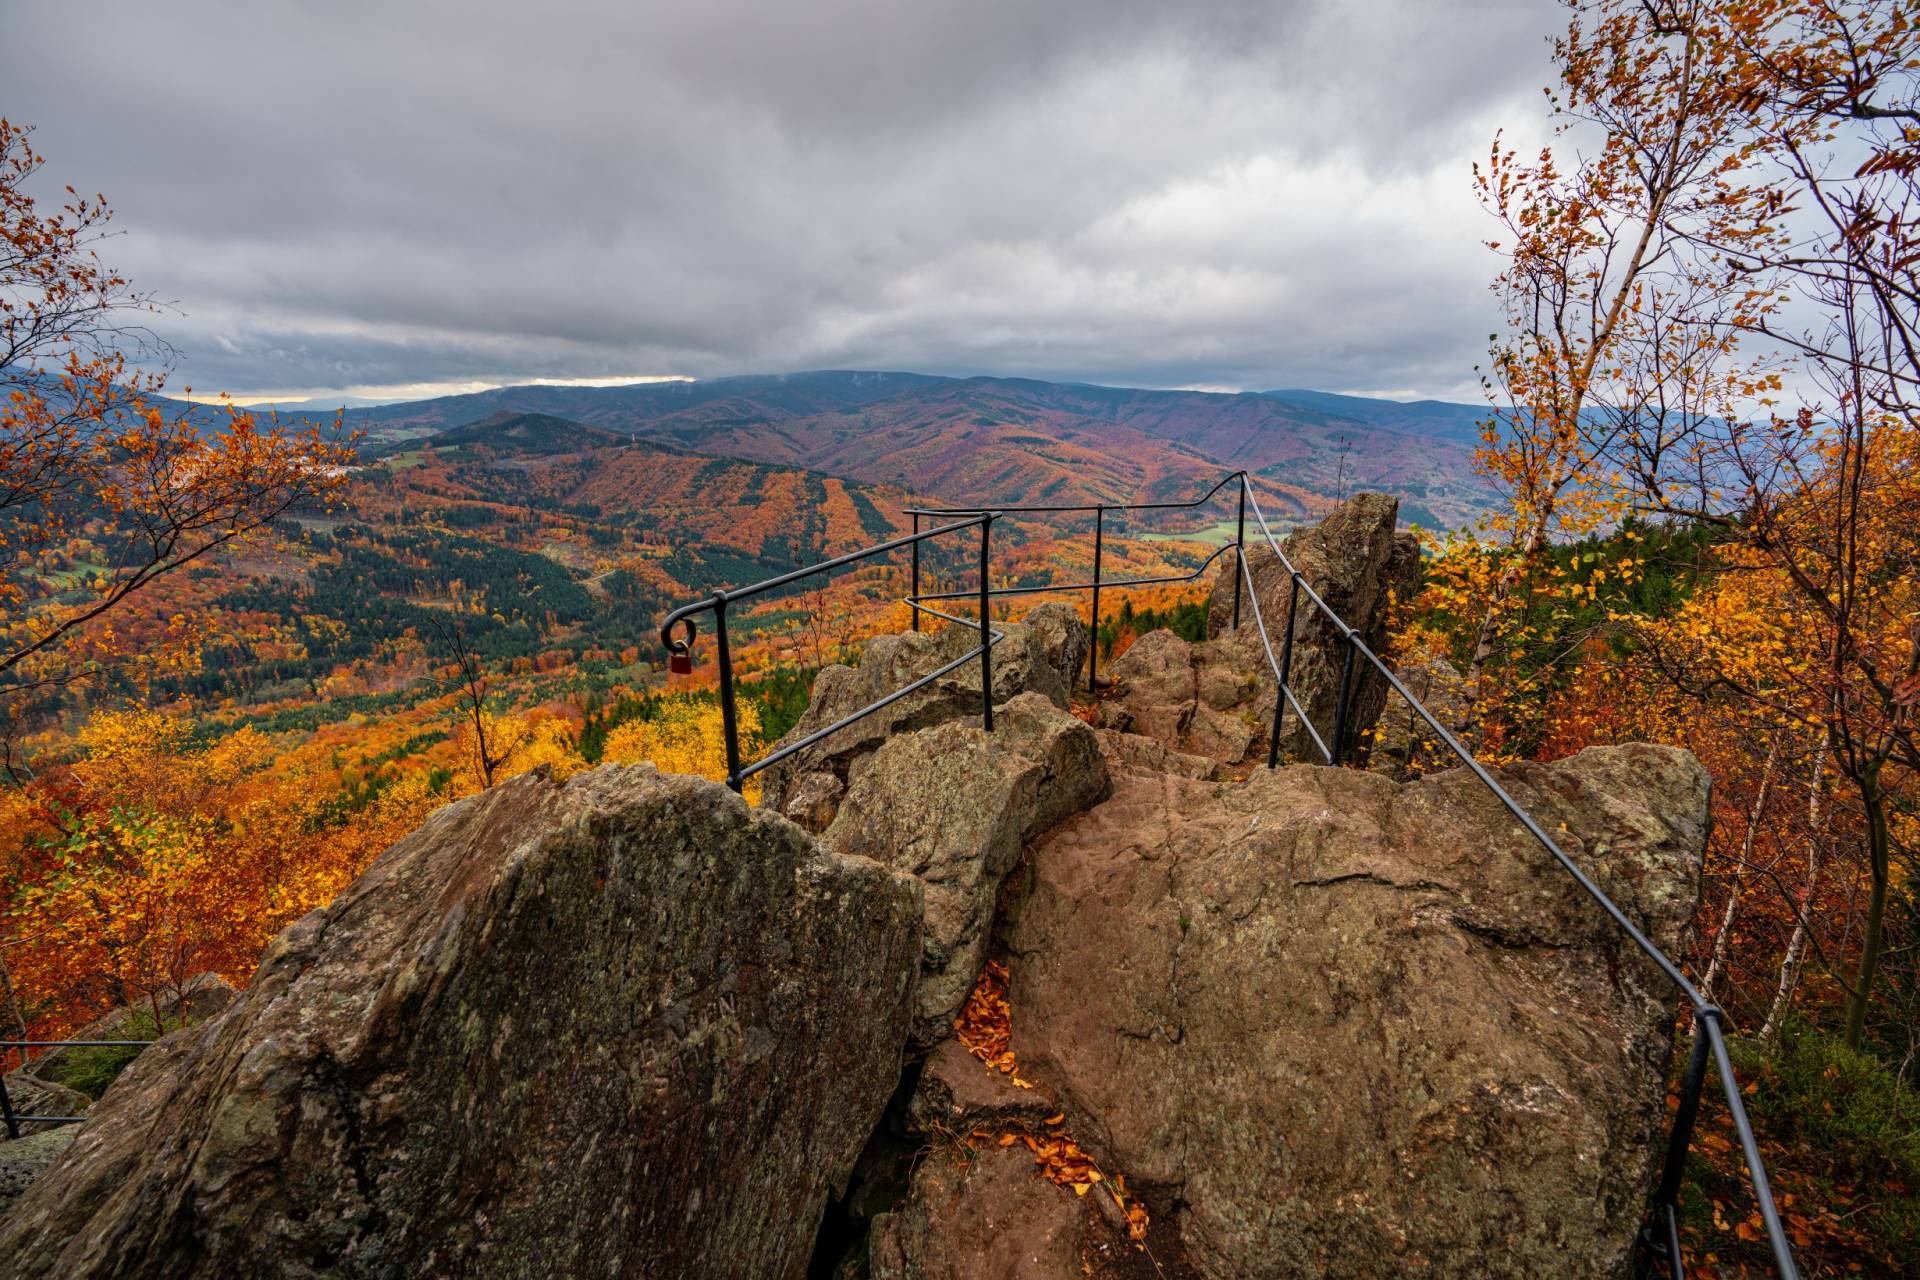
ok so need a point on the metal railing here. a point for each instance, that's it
(1662, 1235)
(10, 1119)
(1099, 510)
(680, 650)
(1709, 1038)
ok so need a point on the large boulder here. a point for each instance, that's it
(954, 806)
(1039, 654)
(1340, 1025)
(623, 1025)
(1359, 565)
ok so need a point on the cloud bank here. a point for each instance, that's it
(354, 197)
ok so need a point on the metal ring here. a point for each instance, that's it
(681, 646)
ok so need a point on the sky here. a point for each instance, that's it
(390, 200)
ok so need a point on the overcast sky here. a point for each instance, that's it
(401, 198)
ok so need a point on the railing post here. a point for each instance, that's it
(914, 595)
(1093, 649)
(1665, 1233)
(729, 724)
(1286, 668)
(1337, 746)
(1240, 551)
(986, 628)
(6, 1103)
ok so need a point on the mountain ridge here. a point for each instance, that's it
(1016, 440)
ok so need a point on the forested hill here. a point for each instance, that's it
(539, 433)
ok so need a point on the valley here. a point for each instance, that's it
(550, 528)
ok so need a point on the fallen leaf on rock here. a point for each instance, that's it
(985, 1029)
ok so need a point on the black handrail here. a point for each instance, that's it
(1097, 584)
(1043, 508)
(10, 1119)
(1709, 1038)
(680, 650)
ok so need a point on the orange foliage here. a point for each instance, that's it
(985, 1029)
(89, 458)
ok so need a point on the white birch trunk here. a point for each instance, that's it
(1797, 944)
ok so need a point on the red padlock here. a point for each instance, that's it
(680, 663)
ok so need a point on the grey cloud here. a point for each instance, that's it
(1218, 193)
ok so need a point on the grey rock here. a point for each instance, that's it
(814, 800)
(1200, 700)
(953, 806)
(1358, 565)
(1136, 753)
(1368, 1029)
(22, 1161)
(1034, 656)
(1063, 643)
(620, 1025)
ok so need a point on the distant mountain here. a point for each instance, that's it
(1437, 418)
(1018, 440)
(627, 407)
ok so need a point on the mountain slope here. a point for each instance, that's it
(624, 408)
(1020, 441)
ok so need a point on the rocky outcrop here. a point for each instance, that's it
(1062, 642)
(1135, 753)
(1342, 1026)
(1358, 564)
(1041, 654)
(1201, 700)
(623, 1025)
(954, 806)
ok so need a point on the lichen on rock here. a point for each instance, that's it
(954, 806)
(1358, 1028)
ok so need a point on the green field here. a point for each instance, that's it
(1221, 533)
(1214, 535)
